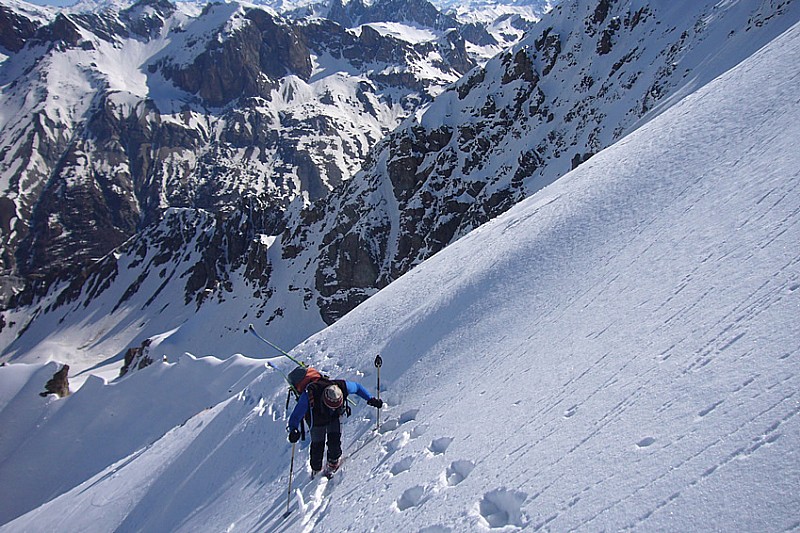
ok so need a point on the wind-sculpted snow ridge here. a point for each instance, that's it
(51, 445)
(617, 351)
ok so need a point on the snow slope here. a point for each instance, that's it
(619, 351)
(100, 423)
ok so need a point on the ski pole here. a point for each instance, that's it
(378, 364)
(252, 330)
(289, 492)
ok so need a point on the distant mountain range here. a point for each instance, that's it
(110, 117)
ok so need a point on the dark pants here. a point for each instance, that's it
(333, 431)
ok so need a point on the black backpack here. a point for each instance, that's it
(316, 389)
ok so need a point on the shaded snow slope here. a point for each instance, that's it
(618, 351)
(49, 446)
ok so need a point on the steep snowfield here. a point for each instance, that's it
(619, 351)
(53, 445)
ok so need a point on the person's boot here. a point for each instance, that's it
(332, 467)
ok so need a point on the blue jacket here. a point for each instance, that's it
(303, 406)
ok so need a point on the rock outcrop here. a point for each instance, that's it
(59, 384)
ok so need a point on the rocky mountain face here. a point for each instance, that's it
(417, 12)
(247, 193)
(16, 29)
(110, 118)
(589, 74)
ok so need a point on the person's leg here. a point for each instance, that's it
(334, 442)
(317, 447)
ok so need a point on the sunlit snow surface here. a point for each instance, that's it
(618, 351)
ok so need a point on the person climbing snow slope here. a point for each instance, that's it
(325, 401)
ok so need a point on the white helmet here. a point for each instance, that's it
(332, 397)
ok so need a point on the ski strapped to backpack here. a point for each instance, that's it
(298, 379)
(252, 330)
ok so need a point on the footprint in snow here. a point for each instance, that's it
(419, 431)
(401, 466)
(412, 497)
(439, 446)
(408, 416)
(458, 472)
(397, 443)
(502, 507)
(389, 425)
(645, 442)
(394, 423)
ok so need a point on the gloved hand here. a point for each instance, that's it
(294, 435)
(375, 402)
